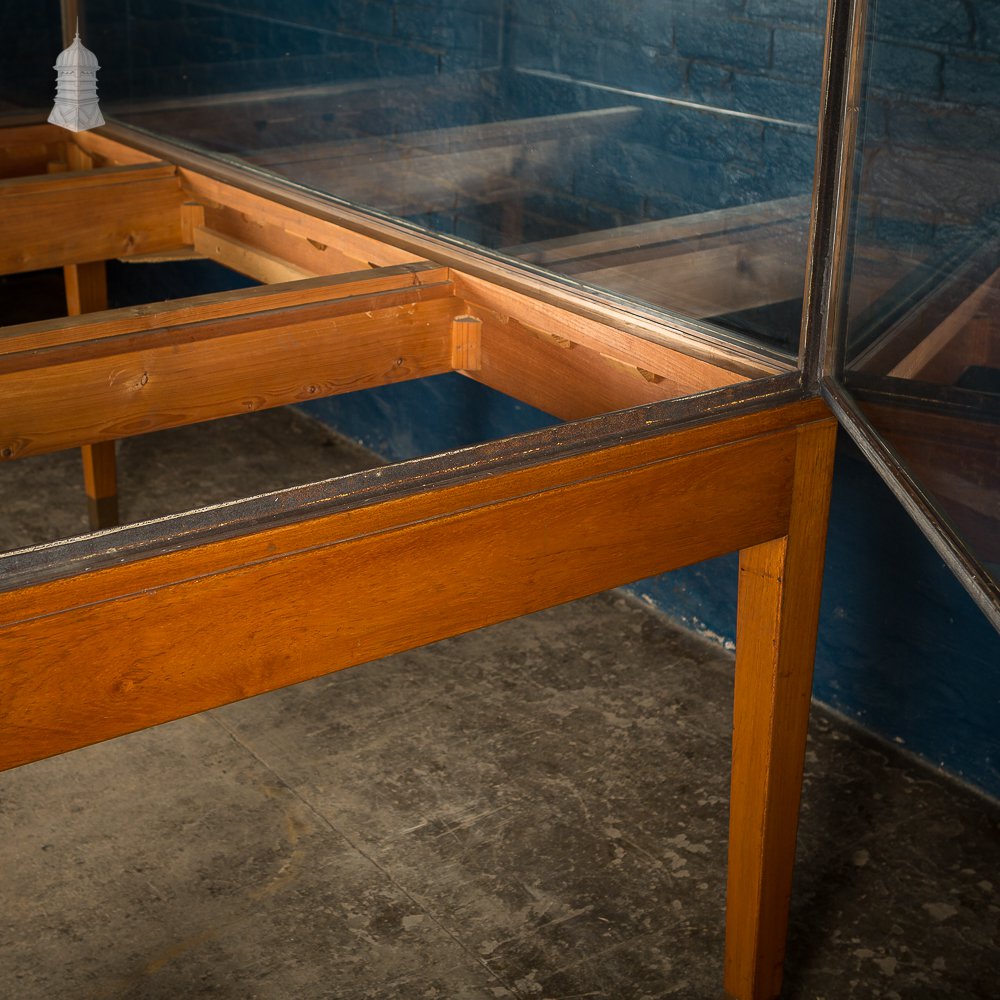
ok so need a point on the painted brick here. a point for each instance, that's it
(579, 55)
(940, 186)
(790, 157)
(987, 23)
(944, 127)
(705, 136)
(401, 60)
(806, 12)
(436, 29)
(614, 179)
(708, 8)
(372, 18)
(647, 22)
(905, 69)
(563, 212)
(945, 22)
(535, 48)
(710, 84)
(701, 181)
(972, 81)
(785, 99)
(726, 42)
(908, 236)
(798, 54)
(643, 68)
(874, 121)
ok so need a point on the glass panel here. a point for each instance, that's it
(924, 294)
(30, 40)
(662, 149)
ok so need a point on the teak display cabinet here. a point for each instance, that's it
(682, 442)
(406, 555)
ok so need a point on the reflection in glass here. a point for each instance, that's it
(657, 148)
(924, 295)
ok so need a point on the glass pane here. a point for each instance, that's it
(924, 296)
(661, 149)
(30, 40)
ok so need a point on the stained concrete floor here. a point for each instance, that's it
(535, 810)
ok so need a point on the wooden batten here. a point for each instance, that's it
(559, 375)
(676, 367)
(221, 305)
(721, 276)
(542, 353)
(80, 216)
(689, 230)
(244, 258)
(30, 149)
(108, 152)
(267, 212)
(315, 247)
(965, 337)
(90, 389)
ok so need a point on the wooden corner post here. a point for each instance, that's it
(778, 611)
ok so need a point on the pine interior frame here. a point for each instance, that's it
(356, 568)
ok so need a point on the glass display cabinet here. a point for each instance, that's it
(683, 232)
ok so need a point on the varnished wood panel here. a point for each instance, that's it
(171, 635)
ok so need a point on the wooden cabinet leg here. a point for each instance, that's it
(779, 592)
(86, 287)
(100, 482)
(87, 291)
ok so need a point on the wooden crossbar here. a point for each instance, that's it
(31, 149)
(81, 216)
(99, 378)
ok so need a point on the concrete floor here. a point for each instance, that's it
(535, 810)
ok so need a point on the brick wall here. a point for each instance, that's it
(158, 48)
(757, 56)
(932, 120)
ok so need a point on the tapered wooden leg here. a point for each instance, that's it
(87, 291)
(779, 592)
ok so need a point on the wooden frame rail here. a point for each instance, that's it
(355, 568)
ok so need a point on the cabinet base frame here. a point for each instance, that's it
(181, 623)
